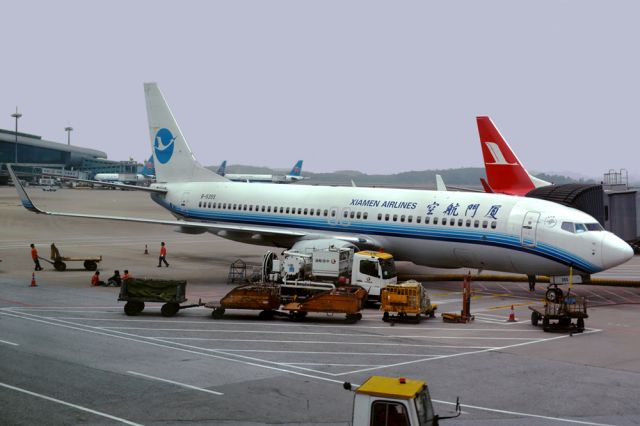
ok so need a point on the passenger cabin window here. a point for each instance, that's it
(402, 218)
(476, 223)
(379, 216)
(452, 221)
(417, 219)
(410, 219)
(287, 210)
(460, 222)
(468, 223)
(299, 210)
(317, 212)
(395, 217)
(365, 215)
(386, 217)
(494, 224)
(435, 220)
(358, 215)
(388, 413)
(484, 223)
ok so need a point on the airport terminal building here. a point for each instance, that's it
(32, 154)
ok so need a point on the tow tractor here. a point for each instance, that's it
(388, 401)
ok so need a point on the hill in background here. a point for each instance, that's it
(465, 176)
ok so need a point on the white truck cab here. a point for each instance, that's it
(373, 270)
(392, 401)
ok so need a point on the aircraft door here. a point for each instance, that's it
(344, 217)
(185, 201)
(529, 229)
(333, 216)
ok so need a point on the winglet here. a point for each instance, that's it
(24, 198)
(440, 186)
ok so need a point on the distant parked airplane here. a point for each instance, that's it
(293, 176)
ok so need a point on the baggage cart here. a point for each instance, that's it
(58, 261)
(559, 315)
(348, 300)
(406, 302)
(136, 292)
(263, 297)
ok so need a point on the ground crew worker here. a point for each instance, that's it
(115, 280)
(126, 275)
(163, 255)
(34, 256)
(95, 279)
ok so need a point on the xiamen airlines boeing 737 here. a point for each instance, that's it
(434, 228)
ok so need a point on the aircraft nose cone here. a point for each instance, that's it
(614, 251)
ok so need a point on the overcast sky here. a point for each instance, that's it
(380, 87)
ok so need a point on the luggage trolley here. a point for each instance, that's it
(136, 292)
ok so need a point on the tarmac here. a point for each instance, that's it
(69, 355)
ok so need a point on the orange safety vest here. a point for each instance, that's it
(34, 253)
(163, 251)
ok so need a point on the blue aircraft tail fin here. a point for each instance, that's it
(297, 169)
(223, 168)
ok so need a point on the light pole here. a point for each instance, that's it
(16, 116)
(68, 129)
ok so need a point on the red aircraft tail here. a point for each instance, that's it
(505, 173)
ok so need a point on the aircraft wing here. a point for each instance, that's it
(119, 185)
(276, 234)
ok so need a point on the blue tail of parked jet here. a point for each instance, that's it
(297, 168)
(223, 168)
(149, 170)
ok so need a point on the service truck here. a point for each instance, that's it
(393, 401)
(326, 267)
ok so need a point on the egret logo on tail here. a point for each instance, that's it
(163, 145)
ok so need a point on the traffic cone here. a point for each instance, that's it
(146, 250)
(33, 280)
(512, 315)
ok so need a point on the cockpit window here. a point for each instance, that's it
(594, 227)
(578, 228)
(568, 226)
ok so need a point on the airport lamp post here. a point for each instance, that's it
(68, 130)
(16, 116)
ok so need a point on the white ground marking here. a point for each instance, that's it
(401, 336)
(184, 385)
(327, 379)
(68, 404)
(316, 342)
(493, 410)
(9, 343)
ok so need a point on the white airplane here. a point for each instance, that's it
(434, 228)
(292, 176)
(146, 175)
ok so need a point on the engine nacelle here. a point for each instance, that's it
(191, 230)
(308, 246)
